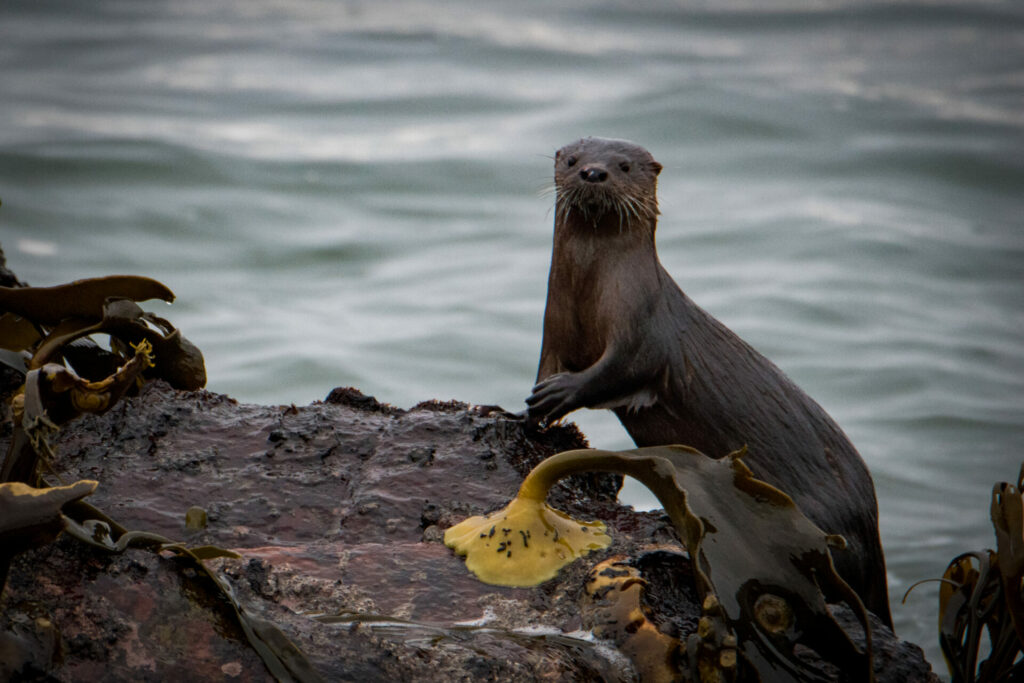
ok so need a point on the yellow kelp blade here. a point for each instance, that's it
(524, 544)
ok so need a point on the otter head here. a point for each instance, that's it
(600, 180)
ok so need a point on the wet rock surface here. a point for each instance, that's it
(338, 509)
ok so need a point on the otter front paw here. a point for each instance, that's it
(553, 398)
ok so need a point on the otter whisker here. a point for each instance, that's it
(631, 205)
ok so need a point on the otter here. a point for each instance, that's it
(619, 333)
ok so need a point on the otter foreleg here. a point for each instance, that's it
(608, 383)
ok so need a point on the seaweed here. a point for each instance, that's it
(48, 325)
(31, 517)
(982, 594)
(82, 299)
(66, 373)
(762, 569)
(53, 395)
(525, 543)
(615, 590)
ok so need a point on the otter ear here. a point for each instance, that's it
(655, 167)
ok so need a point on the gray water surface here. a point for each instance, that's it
(354, 194)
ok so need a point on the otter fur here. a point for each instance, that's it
(620, 334)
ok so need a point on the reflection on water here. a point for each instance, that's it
(353, 195)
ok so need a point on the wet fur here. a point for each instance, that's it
(620, 334)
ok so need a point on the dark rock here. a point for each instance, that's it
(7, 276)
(134, 616)
(338, 510)
(12, 372)
(352, 397)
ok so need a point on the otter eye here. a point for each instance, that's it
(570, 162)
(624, 166)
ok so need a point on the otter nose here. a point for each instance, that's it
(593, 174)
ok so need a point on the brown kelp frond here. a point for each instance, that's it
(52, 325)
(613, 604)
(81, 299)
(53, 395)
(981, 599)
(31, 517)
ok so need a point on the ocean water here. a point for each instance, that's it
(358, 193)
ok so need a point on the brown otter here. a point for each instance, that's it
(620, 334)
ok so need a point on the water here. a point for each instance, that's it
(351, 194)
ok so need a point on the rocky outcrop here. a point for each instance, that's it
(337, 510)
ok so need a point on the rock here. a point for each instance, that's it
(337, 509)
(7, 276)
